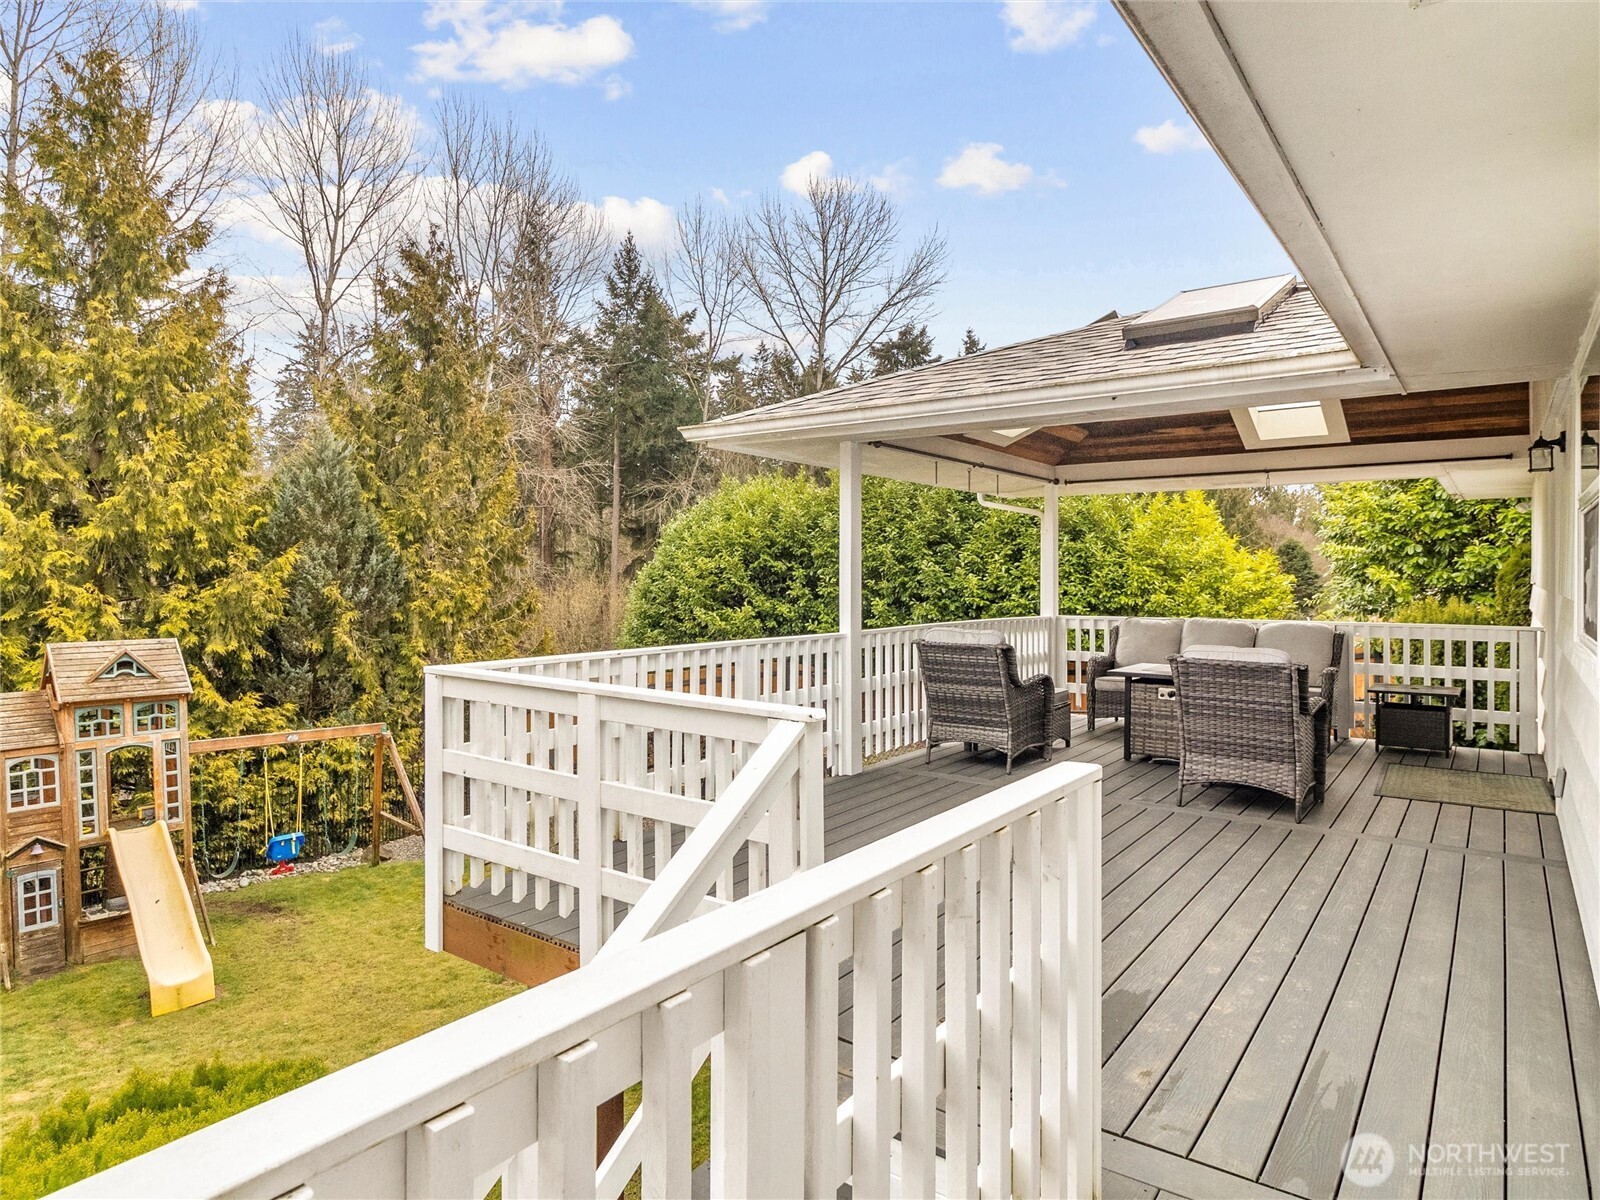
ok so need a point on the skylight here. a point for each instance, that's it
(1209, 312)
(1282, 422)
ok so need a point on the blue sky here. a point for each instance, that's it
(1038, 137)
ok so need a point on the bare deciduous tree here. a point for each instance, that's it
(705, 273)
(826, 277)
(32, 34)
(334, 165)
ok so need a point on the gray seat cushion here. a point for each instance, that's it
(1237, 654)
(1110, 683)
(966, 637)
(1305, 642)
(1148, 640)
(1214, 631)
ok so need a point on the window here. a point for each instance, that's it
(100, 722)
(88, 794)
(171, 781)
(126, 667)
(36, 900)
(155, 715)
(31, 783)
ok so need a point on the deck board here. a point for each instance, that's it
(1271, 987)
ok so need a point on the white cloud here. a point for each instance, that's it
(1039, 26)
(733, 15)
(181, 5)
(654, 225)
(1169, 137)
(616, 87)
(720, 196)
(980, 167)
(334, 36)
(797, 176)
(496, 43)
(893, 180)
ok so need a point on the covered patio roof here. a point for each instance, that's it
(1204, 391)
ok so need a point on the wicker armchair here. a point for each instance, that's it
(1251, 723)
(974, 696)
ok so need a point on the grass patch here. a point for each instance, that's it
(78, 1136)
(321, 969)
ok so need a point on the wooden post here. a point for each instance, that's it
(199, 898)
(377, 800)
(1050, 581)
(850, 608)
(403, 779)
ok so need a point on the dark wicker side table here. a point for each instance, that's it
(1414, 716)
(1150, 723)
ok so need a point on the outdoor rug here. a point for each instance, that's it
(1519, 793)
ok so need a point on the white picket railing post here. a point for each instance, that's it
(433, 814)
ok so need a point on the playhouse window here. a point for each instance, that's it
(31, 783)
(36, 900)
(100, 722)
(88, 794)
(171, 784)
(126, 667)
(155, 715)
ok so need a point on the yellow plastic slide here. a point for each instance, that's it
(175, 959)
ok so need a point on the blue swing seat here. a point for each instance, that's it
(283, 847)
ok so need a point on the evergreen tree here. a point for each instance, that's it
(1295, 561)
(125, 456)
(911, 347)
(341, 651)
(970, 343)
(638, 397)
(434, 461)
(295, 412)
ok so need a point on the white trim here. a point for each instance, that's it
(53, 874)
(850, 619)
(12, 764)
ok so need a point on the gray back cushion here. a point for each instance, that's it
(1236, 654)
(1211, 631)
(966, 637)
(1306, 642)
(1148, 640)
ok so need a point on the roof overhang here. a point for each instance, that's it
(1431, 168)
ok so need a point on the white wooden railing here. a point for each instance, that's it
(1497, 665)
(509, 1094)
(582, 793)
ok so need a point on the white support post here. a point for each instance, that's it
(850, 606)
(1050, 578)
(433, 813)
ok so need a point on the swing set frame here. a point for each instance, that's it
(383, 748)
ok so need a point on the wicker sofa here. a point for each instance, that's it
(975, 696)
(1317, 647)
(1245, 719)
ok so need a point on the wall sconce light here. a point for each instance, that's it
(1542, 454)
(1589, 451)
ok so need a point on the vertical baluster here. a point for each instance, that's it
(717, 751)
(454, 796)
(827, 942)
(920, 1077)
(994, 1018)
(543, 809)
(566, 828)
(669, 1035)
(566, 1106)
(760, 1082)
(961, 1020)
(592, 846)
(479, 800)
(521, 739)
(873, 1002)
(1025, 1079)
(494, 794)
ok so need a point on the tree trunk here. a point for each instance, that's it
(616, 514)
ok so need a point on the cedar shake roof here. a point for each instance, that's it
(27, 721)
(73, 669)
(1297, 327)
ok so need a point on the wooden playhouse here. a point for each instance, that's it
(100, 747)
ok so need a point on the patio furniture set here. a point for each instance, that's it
(1236, 702)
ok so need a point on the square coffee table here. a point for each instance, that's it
(1149, 718)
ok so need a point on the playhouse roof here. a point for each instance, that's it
(26, 721)
(77, 670)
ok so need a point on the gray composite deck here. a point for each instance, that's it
(1404, 968)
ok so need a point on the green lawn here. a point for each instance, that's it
(326, 968)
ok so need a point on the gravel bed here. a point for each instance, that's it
(406, 849)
